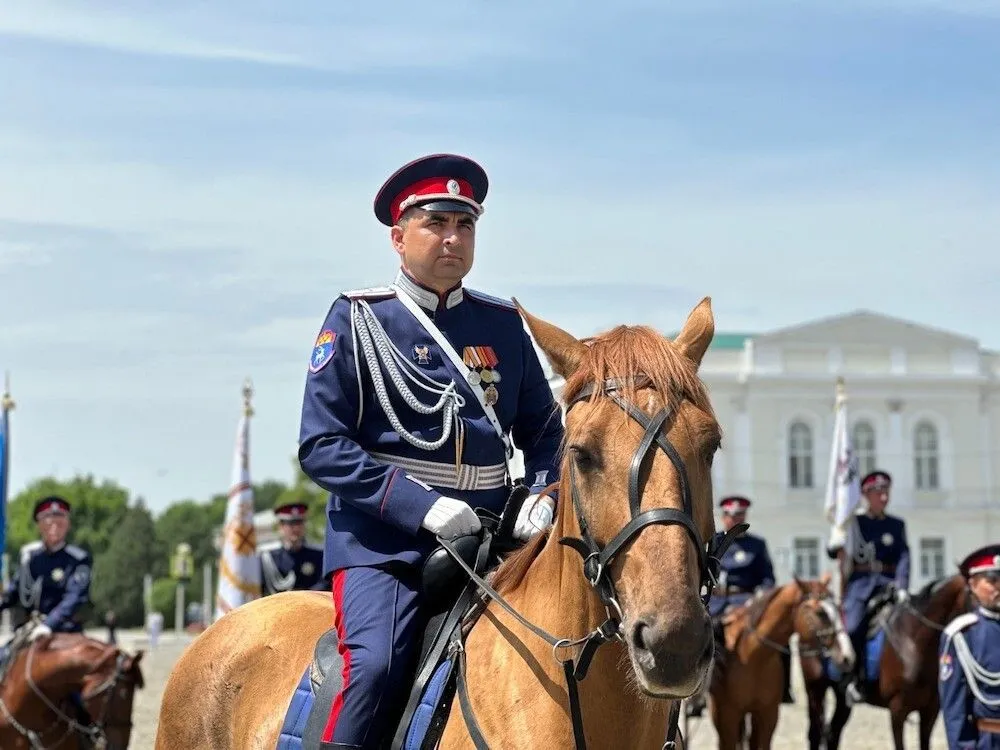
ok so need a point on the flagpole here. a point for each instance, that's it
(839, 402)
(6, 406)
(239, 567)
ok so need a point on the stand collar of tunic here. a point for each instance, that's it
(53, 550)
(428, 298)
(989, 613)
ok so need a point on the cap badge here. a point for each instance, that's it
(453, 187)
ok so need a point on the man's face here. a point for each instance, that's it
(986, 588)
(877, 499)
(436, 247)
(53, 528)
(730, 519)
(292, 532)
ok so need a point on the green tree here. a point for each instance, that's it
(98, 510)
(118, 573)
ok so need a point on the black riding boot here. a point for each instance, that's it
(786, 664)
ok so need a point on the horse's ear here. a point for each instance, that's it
(697, 333)
(564, 351)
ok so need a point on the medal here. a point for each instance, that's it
(482, 362)
(492, 395)
(474, 377)
(496, 376)
(487, 376)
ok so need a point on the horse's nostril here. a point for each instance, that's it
(640, 636)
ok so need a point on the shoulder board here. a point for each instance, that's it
(29, 549)
(488, 299)
(961, 623)
(269, 546)
(78, 552)
(372, 292)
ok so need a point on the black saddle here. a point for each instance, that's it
(450, 600)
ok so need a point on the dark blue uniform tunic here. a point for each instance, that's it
(746, 567)
(969, 680)
(285, 569)
(381, 486)
(882, 557)
(55, 583)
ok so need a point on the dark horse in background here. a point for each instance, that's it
(902, 654)
(36, 708)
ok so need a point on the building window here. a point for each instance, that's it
(932, 558)
(863, 441)
(805, 552)
(926, 460)
(800, 455)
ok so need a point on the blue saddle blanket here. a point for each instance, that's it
(297, 716)
(873, 656)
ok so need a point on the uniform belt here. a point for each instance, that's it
(988, 725)
(440, 474)
(877, 568)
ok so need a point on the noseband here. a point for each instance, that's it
(596, 559)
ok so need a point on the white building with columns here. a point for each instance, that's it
(924, 405)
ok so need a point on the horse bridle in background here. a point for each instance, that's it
(597, 559)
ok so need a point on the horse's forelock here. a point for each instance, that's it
(629, 351)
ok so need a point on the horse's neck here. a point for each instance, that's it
(775, 624)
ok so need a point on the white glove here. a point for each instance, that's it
(449, 518)
(41, 630)
(535, 515)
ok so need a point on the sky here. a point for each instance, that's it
(185, 187)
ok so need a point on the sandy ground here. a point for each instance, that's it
(868, 728)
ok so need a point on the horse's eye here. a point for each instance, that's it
(583, 458)
(711, 449)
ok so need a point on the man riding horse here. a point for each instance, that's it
(876, 565)
(745, 569)
(969, 677)
(52, 579)
(401, 471)
(292, 563)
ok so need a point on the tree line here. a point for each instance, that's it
(127, 541)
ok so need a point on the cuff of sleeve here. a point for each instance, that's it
(407, 501)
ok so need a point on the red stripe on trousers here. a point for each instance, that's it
(345, 654)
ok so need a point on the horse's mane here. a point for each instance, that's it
(620, 354)
(927, 592)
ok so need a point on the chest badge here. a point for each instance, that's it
(423, 354)
(308, 568)
(887, 539)
(482, 362)
(58, 574)
(740, 556)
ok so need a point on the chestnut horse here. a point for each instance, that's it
(35, 706)
(908, 668)
(232, 686)
(747, 681)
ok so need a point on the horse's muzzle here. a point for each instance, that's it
(672, 655)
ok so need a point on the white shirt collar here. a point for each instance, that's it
(427, 298)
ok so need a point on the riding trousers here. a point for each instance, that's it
(379, 623)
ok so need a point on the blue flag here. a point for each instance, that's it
(4, 473)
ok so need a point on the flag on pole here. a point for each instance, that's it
(239, 569)
(6, 404)
(843, 488)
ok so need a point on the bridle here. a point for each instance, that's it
(598, 559)
(825, 637)
(94, 734)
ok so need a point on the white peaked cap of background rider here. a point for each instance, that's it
(734, 504)
(439, 182)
